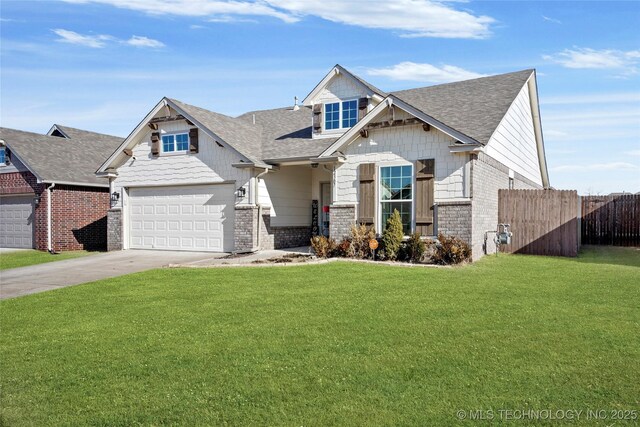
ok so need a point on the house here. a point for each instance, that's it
(50, 198)
(193, 179)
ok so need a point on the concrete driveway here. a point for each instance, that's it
(59, 274)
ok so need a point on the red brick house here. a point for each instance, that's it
(50, 198)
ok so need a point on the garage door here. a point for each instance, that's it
(16, 221)
(195, 218)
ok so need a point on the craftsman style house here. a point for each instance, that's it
(190, 179)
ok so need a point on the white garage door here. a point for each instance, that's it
(194, 218)
(16, 222)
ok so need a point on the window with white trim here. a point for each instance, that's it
(175, 143)
(396, 193)
(340, 115)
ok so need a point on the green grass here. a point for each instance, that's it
(26, 258)
(340, 343)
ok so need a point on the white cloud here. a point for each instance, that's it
(97, 41)
(552, 20)
(593, 98)
(411, 18)
(140, 41)
(424, 73)
(101, 40)
(228, 19)
(596, 59)
(596, 167)
(634, 152)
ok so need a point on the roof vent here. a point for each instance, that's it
(296, 107)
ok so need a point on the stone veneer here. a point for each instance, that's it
(343, 217)
(114, 230)
(245, 233)
(454, 219)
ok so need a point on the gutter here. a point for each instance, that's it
(49, 231)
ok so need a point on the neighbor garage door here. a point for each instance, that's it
(16, 221)
(195, 218)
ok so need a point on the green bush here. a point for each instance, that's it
(415, 248)
(360, 237)
(322, 246)
(450, 250)
(392, 236)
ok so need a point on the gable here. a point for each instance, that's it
(341, 88)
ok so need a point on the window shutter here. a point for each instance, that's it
(193, 140)
(367, 193)
(155, 143)
(317, 118)
(363, 103)
(7, 156)
(425, 177)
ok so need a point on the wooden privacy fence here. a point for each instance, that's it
(611, 220)
(543, 222)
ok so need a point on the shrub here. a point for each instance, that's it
(360, 237)
(323, 246)
(415, 248)
(342, 249)
(392, 236)
(451, 250)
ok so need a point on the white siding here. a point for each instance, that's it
(398, 144)
(513, 143)
(210, 165)
(341, 88)
(288, 192)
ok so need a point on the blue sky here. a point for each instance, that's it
(103, 64)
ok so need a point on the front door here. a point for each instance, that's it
(325, 202)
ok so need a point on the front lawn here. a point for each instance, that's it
(340, 343)
(31, 257)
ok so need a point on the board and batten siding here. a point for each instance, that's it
(211, 164)
(513, 143)
(288, 192)
(404, 144)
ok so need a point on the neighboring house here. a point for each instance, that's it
(192, 179)
(50, 198)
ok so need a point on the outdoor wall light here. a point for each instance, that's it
(241, 192)
(36, 200)
(115, 196)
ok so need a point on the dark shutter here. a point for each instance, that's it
(193, 140)
(7, 156)
(425, 177)
(155, 143)
(317, 118)
(363, 103)
(367, 193)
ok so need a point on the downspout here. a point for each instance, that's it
(49, 231)
(257, 199)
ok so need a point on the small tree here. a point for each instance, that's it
(392, 236)
(415, 248)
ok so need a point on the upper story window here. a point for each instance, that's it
(173, 143)
(3, 156)
(340, 115)
(396, 193)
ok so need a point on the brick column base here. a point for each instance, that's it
(454, 219)
(343, 217)
(114, 230)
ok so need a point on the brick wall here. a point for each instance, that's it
(79, 218)
(245, 236)
(26, 183)
(488, 176)
(454, 219)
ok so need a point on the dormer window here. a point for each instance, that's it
(340, 115)
(3, 156)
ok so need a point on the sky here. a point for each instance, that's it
(103, 64)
